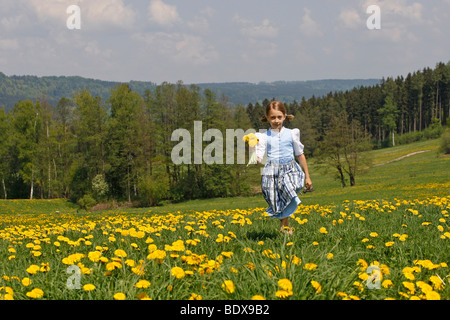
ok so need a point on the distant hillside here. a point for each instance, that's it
(287, 91)
(16, 88)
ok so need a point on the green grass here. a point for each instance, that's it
(261, 255)
(418, 176)
(406, 203)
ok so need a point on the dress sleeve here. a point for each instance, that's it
(298, 146)
(260, 148)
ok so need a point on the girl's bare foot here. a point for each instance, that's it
(286, 229)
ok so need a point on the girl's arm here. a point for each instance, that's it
(304, 165)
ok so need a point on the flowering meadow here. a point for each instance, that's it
(372, 249)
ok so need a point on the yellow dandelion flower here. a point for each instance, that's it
(363, 276)
(130, 262)
(33, 269)
(120, 253)
(387, 283)
(227, 254)
(438, 284)
(139, 270)
(410, 286)
(88, 287)
(285, 284)
(251, 139)
(94, 256)
(36, 293)
(358, 285)
(45, 267)
(26, 281)
(283, 294)
(119, 296)
(228, 286)
(432, 295)
(195, 296)
(316, 286)
(177, 272)
(362, 264)
(142, 284)
(310, 266)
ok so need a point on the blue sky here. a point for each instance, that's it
(200, 41)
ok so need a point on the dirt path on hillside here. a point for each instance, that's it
(400, 158)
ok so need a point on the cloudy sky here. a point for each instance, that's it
(200, 41)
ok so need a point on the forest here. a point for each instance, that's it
(14, 88)
(94, 150)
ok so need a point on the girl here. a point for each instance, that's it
(282, 177)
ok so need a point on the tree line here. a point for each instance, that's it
(93, 150)
(90, 150)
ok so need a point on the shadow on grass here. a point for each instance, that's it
(262, 235)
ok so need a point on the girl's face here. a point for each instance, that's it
(276, 118)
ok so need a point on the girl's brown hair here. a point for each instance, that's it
(276, 105)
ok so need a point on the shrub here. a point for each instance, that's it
(445, 141)
(434, 131)
(153, 189)
(99, 187)
(87, 202)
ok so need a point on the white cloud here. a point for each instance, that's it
(250, 29)
(399, 22)
(162, 13)
(350, 19)
(301, 54)
(13, 22)
(195, 50)
(9, 44)
(109, 12)
(177, 47)
(96, 14)
(309, 27)
(396, 34)
(200, 24)
(256, 51)
(92, 48)
(50, 10)
(400, 8)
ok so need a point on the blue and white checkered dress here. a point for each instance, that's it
(282, 177)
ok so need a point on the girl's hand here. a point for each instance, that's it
(308, 183)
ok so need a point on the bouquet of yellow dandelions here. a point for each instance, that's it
(252, 141)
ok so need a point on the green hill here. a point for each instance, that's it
(15, 88)
(401, 172)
